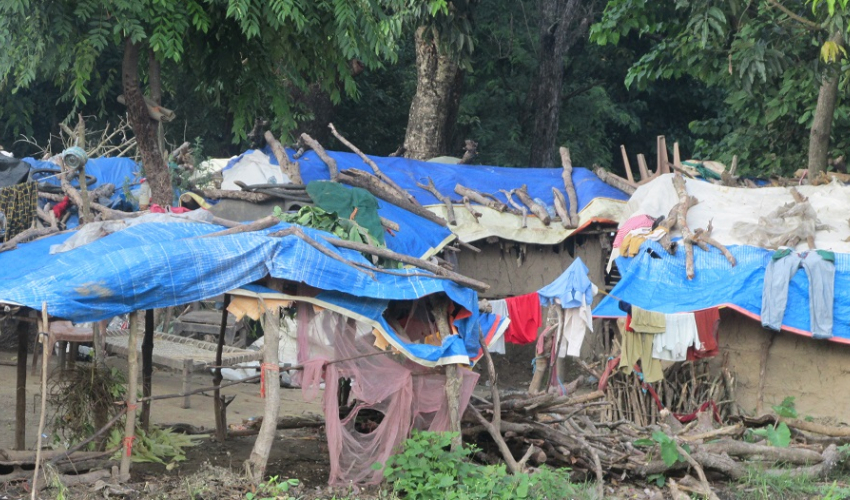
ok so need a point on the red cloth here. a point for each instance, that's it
(708, 321)
(156, 209)
(526, 319)
(60, 207)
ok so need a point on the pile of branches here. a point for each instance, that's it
(594, 434)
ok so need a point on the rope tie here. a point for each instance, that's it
(263, 367)
(132, 407)
(128, 444)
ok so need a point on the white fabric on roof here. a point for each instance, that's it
(253, 168)
(726, 206)
(509, 226)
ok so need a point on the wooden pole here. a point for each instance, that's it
(626, 164)
(147, 369)
(567, 174)
(643, 168)
(663, 158)
(255, 466)
(45, 355)
(677, 158)
(219, 406)
(21, 387)
(765, 350)
(132, 382)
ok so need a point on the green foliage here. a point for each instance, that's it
(758, 485)
(274, 489)
(426, 469)
(778, 435)
(765, 63)
(83, 400)
(316, 218)
(162, 446)
(243, 57)
(787, 408)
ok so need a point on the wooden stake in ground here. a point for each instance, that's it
(147, 369)
(255, 466)
(45, 357)
(21, 385)
(132, 383)
(765, 350)
(567, 174)
(219, 405)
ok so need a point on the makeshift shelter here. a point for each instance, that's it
(519, 254)
(150, 265)
(751, 224)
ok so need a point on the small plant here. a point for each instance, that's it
(426, 468)
(779, 434)
(669, 453)
(274, 489)
(162, 446)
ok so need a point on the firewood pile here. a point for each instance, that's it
(620, 432)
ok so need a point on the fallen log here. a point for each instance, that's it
(682, 223)
(517, 206)
(413, 261)
(367, 181)
(290, 169)
(614, 180)
(445, 200)
(219, 194)
(378, 172)
(561, 209)
(480, 198)
(567, 174)
(536, 208)
(760, 452)
(322, 154)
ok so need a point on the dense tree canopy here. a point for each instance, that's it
(727, 77)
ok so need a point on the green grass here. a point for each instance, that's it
(760, 486)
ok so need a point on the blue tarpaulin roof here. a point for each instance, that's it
(660, 284)
(155, 265)
(486, 179)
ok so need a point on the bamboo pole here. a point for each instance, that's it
(132, 382)
(21, 386)
(147, 369)
(45, 354)
(219, 407)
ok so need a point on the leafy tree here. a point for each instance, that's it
(245, 53)
(776, 62)
(443, 45)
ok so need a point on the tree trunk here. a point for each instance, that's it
(144, 128)
(822, 123)
(433, 111)
(562, 22)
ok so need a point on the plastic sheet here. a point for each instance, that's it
(406, 396)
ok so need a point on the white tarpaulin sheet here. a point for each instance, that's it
(727, 206)
(509, 226)
(252, 168)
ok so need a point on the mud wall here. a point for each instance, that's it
(815, 372)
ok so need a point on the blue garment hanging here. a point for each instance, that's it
(569, 287)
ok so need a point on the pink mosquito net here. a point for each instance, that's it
(407, 395)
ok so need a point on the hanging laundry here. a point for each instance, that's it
(577, 321)
(638, 221)
(574, 292)
(524, 312)
(18, 203)
(573, 287)
(679, 335)
(708, 322)
(820, 268)
(499, 308)
(637, 346)
(644, 321)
